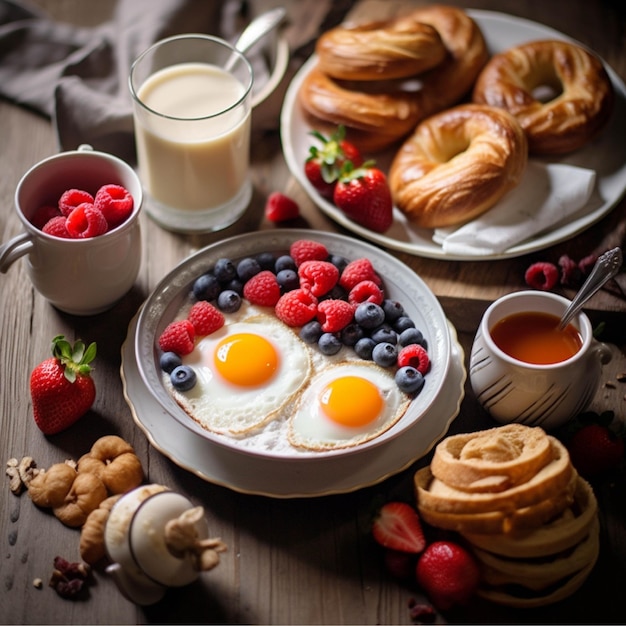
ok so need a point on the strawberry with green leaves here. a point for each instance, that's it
(363, 195)
(324, 163)
(61, 387)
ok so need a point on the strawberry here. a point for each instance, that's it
(364, 196)
(448, 573)
(324, 164)
(398, 527)
(595, 449)
(280, 208)
(61, 387)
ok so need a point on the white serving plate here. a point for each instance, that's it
(280, 478)
(400, 282)
(606, 155)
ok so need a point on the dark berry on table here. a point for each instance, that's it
(384, 334)
(311, 332)
(329, 344)
(225, 270)
(369, 315)
(183, 378)
(351, 334)
(229, 301)
(266, 260)
(402, 323)
(169, 361)
(284, 262)
(247, 268)
(288, 280)
(206, 287)
(364, 348)
(409, 380)
(412, 335)
(393, 310)
(385, 354)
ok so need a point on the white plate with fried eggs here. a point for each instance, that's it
(278, 432)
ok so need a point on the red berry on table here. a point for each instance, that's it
(57, 227)
(397, 526)
(86, 221)
(303, 250)
(448, 573)
(206, 318)
(318, 277)
(262, 289)
(595, 449)
(325, 162)
(281, 208)
(61, 387)
(114, 202)
(71, 198)
(178, 337)
(541, 275)
(363, 195)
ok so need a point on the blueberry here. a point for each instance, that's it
(265, 261)
(409, 379)
(329, 344)
(384, 334)
(247, 268)
(336, 293)
(393, 310)
(412, 335)
(340, 262)
(369, 315)
(229, 301)
(385, 354)
(402, 323)
(284, 262)
(288, 280)
(169, 361)
(350, 334)
(206, 287)
(311, 332)
(364, 348)
(183, 378)
(224, 270)
(234, 285)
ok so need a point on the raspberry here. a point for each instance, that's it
(570, 272)
(366, 291)
(178, 337)
(415, 356)
(334, 315)
(57, 227)
(296, 307)
(71, 198)
(115, 203)
(262, 289)
(542, 276)
(205, 318)
(280, 208)
(357, 271)
(307, 250)
(43, 215)
(86, 221)
(319, 277)
(586, 263)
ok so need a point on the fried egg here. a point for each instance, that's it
(345, 405)
(246, 372)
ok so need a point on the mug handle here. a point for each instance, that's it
(14, 249)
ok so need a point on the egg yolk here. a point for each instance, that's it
(246, 359)
(351, 401)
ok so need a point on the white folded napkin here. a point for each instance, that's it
(547, 193)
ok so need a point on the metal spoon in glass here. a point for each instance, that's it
(259, 27)
(607, 265)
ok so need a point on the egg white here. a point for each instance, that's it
(311, 429)
(220, 406)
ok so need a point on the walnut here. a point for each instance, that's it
(21, 473)
(86, 493)
(114, 461)
(50, 488)
(91, 544)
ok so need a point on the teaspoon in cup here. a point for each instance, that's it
(607, 265)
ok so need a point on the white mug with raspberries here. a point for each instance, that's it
(81, 238)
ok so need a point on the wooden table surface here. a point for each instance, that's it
(305, 560)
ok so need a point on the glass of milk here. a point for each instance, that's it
(191, 106)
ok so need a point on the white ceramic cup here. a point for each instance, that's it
(536, 395)
(192, 108)
(77, 276)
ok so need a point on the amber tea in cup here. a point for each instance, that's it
(535, 337)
